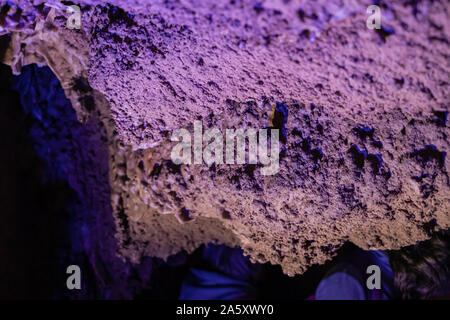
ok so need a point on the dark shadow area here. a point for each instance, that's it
(32, 210)
(56, 197)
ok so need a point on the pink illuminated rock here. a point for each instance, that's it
(365, 138)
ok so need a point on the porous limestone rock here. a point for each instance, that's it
(364, 156)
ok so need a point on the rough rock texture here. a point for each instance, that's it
(366, 136)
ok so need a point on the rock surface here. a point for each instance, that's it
(364, 156)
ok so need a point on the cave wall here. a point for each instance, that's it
(365, 132)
